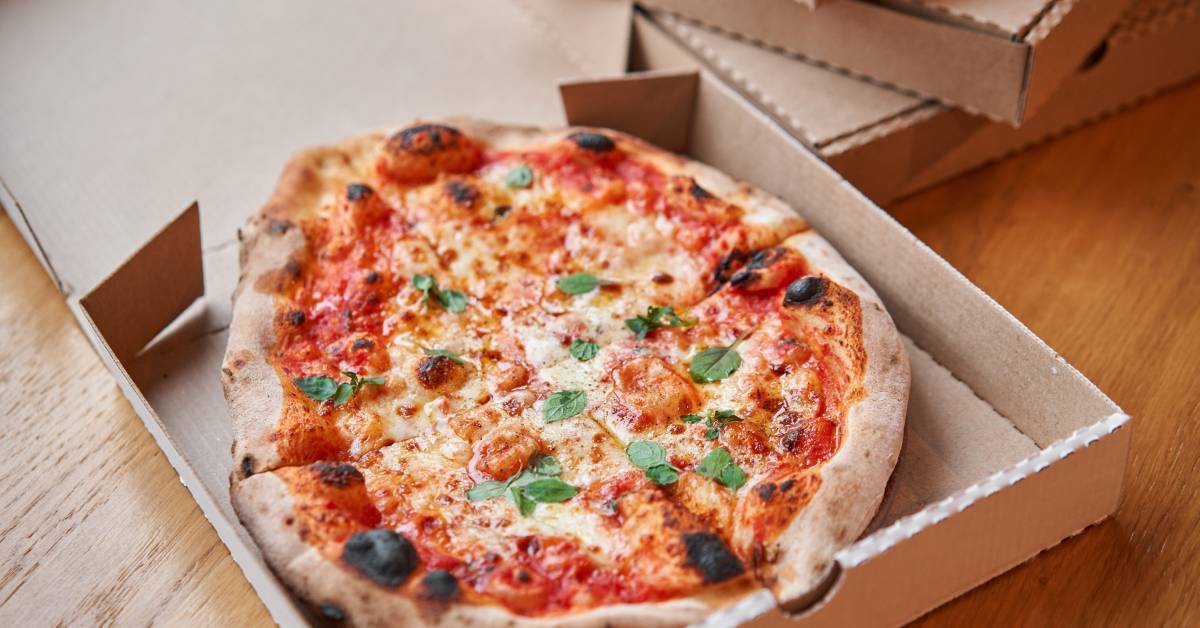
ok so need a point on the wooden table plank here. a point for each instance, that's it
(1093, 241)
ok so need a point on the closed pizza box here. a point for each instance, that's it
(889, 143)
(1008, 449)
(999, 58)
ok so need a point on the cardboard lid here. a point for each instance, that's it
(109, 126)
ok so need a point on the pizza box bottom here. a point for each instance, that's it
(1008, 449)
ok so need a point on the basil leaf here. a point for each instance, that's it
(525, 506)
(316, 387)
(547, 465)
(662, 474)
(646, 453)
(549, 490)
(344, 390)
(656, 316)
(378, 381)
(583, 350)
(691, 418)
(732, 476)
(486, 490)
(639, 326)
(442, 353)
(711, 433)
(519, 177)
(714, 363)
(453, 300)
(726, 416)
(564, 404)
(579, 283)
(424, 283)
(712, 464)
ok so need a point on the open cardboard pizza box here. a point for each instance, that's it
(999, 58)
(889, 143)
(1008, 449)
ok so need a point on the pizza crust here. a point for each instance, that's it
(852, 481)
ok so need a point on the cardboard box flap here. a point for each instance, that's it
(655, 106)
(139, 121)
(1008, 17)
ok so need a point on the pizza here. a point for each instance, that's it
(486, 374)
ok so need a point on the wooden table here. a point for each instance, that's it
(1092, 240)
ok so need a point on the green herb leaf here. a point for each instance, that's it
(724, 416)
(525, 506)
(519, 177)
(378, 381)
(691, 418)
(710, 466)
(583, 350)
(711, 433)
(732, 476)
(424, 283)
(443, 353)
(453, 300)
(580, 283)
(487, 490)
(344, 390)
(564, 404)
(719, 465)
(316, 387)
(646, 453)
(715, 363)
(662, 474)
(656, 316)
(547, 465)
(549, 490)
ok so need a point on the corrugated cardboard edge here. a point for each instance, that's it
(17, 214)
(162, 250)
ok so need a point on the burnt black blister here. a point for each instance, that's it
(595, 142)
(358, 191)
(332, 612)
(463, 194)
(247, 466)
(765, 258)
(363, 343)
(381, 555)
(372, 277)
(722, 272)
(296, 317)
(699, 193)
(337, 474)
(765, 492)
(708, 553)
(805, 291)
(440, 585)
(437, 137)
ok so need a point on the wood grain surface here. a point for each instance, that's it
(1092, 240)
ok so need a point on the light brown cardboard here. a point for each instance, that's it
(889, 144)
(995, 413)
(999, 58)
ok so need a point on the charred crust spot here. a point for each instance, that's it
(502, 211)
(787, 485)
(766, 491)
(381, 555)
(435, 370)
(766, 257)
(292, 268)
(279, 227)
(698, 192)
(358, 191)
(296, 318)
(708, 553)
(790, 439)
(363, 343)
(424, 139)
(741, 278)
(725, 268)
(332, 612)
(247, 466)
(662, 278)
(439, 584)
(523, 576)
(339, 475)
(372, 277)
(595, 142)
(463, 194)
(805, 291)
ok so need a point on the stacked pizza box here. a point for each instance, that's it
(132, 192)
(891, 138)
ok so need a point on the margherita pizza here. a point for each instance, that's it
(488, 374)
